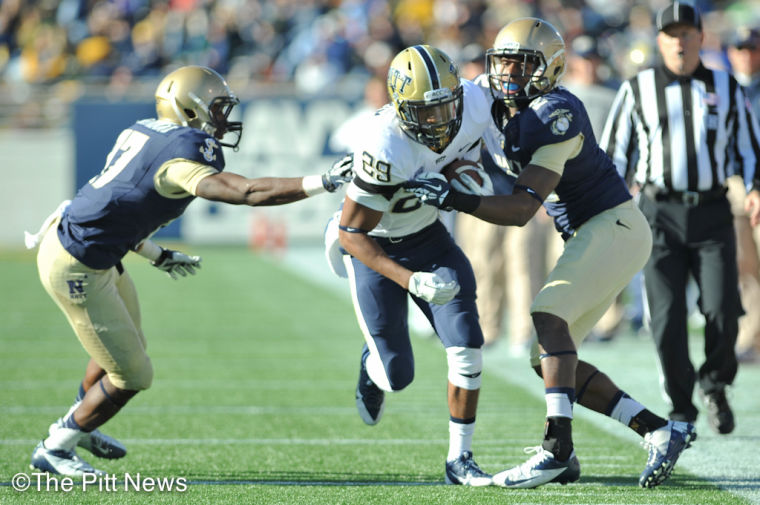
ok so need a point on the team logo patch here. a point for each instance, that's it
(562, 120)
(209, 150)
(76, 289)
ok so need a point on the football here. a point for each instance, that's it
(457, 167)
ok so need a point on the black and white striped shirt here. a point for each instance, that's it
(683, 133)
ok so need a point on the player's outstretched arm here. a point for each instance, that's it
(532, 187)
(236, 189)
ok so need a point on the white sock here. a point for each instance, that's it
(64, 438)
(558, 405)
(72, 409)
(625, 409)
(460, 439)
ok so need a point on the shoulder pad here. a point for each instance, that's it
(199, 146)
(558, 115)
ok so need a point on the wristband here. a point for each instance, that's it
(149, 249)
(312, 185)
(464, 202)
(530, 191)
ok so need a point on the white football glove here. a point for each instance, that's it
(468, 184)
(432, 288)
(175, 263)
(341, 172)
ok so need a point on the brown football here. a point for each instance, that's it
(450, 171)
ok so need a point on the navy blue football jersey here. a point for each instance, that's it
(120, 207)
(589, 183)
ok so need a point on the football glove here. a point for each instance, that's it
(175, 263)
(431, 188)
(432, 288)
(340, 173)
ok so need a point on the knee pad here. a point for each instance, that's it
(465, 367)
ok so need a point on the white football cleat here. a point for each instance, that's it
(665, 445)
(61, 462)
(99, 444)
(540, 469)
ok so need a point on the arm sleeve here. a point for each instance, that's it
(554, 156)
(179, 178)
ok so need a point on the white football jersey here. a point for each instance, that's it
(387, 157)
(492, 137)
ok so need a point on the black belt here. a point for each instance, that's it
(691, 198)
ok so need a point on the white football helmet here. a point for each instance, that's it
(199, 97)
(532, 47)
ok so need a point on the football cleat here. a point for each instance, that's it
(540, 469)
(99, 444)
(60, 461)
(720, 417)
(665, 446)
(464, 471)
(370, 399)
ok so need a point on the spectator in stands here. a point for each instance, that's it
(744, 54)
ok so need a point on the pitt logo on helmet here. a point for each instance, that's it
(397, 81)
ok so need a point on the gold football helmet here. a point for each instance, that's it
(526, 61)
(200, 98)
(424, 86)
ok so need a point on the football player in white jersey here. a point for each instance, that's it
(397, 246)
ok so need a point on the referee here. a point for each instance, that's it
(678, 131)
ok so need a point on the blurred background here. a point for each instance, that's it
(73, 73)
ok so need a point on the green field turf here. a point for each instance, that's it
(253, 402)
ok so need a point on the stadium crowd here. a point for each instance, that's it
(313, 43)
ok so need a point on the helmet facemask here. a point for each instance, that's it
(213, 119)
(220, 110)
(516, 89)
(434, 121)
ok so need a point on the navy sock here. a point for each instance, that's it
(69, 422)
(80, 394)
